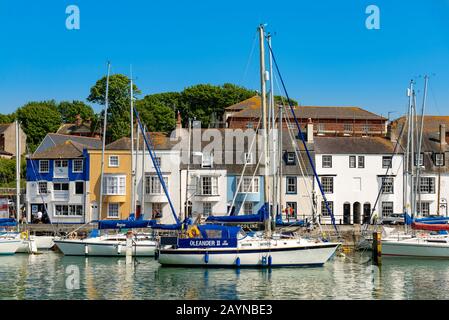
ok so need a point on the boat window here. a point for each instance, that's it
(214, 233)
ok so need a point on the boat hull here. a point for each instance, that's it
(9, 246)
(415, 248)
(105, 248)
(305, 256)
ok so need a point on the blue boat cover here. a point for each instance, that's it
(280, 223)
(8, 222)
(210, 231)
(260, 216)
(428, 220)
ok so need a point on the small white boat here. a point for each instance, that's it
(424, 246)
(9, 246)
(107, 246)
(246, 251)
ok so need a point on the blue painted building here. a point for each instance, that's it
(248, 202)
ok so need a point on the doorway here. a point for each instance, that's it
(94, 211)
(346, 213)
(356, 213)
(366, 213)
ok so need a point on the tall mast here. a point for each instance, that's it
(135, 165)
(272, 140)
(186, 205)
(418, 169)
(133, 169)
(413, 181)
(264, 125)
(17, 174)
(280, 192)
(142, 186)
(105, 121)
(407, 165)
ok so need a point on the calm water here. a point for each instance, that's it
(45, 276)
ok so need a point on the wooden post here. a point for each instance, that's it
(377, 248)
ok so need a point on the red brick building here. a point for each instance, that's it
(332, 121)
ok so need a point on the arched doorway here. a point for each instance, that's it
(356, 213)
(346, 213)
(366, 212)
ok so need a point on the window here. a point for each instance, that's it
(291, 185)
(208, 185)
(79, 187)
(61, 163)
(156, 210)
(291, 158)
(113, 161)
(327, 161)
(387, 185)
(114, 185)
(42, 187)
(291, 209)
(248, 208)
(207, 160)
(249, 125)
(248, 158)
(158, 161)
(327, 184)
(386, 162)
(207, 209)
(366, 128)
(324, 211)
(427, 185)
(387, 208)
(77, 165)
(352, 161)
(419, 160)
(113, 210)
(44, 166)
(439, 159)
(347, 127)
(423, 208)
(68, 210)
(57, 186)
(249, 185)
(321, 127)
(153, 185)
(361, 162)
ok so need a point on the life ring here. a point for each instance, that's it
(24, 235)
(193, 232)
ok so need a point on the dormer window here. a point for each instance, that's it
(207, 160)
(248, 158)
(419, 159)
(290, 157)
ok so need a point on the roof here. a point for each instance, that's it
(431, 123)
(316, 112)
(160, 140)
(66, 150)
(4, 126)
(353, 145)
(72, 128)
(250, 102)
(89, 142)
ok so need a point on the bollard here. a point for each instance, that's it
(377, 248)
(129, 247)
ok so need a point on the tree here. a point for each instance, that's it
(119, 102)
(7, 118)
(203, 101)
(38, 119)
(156, 115)
(283, 100)
(69, 111)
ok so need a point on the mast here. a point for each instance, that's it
(418, 169)
(413, 181)
(186, 204)
(407, 165)
(105, 121)
(264, 125)
(17, 174)
(142, 186)
(281, 200)
(272, 140)
(133, 169)
(135, 163)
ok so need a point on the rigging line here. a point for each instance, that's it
(249, 58)
(303, 141)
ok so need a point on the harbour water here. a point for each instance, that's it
(53, 276)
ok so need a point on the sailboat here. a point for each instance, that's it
(112, 245)
(416, 242)
(215, 245)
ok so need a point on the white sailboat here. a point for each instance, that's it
(143, 244)
(226, 246)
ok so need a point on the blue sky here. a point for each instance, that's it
(324, 50)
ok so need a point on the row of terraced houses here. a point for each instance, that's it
(356, 153)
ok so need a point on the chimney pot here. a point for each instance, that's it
(443, 134)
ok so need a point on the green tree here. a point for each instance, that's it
(70, 109)
(119, 102)
(203, 101)
(37, 119)
(156, 115)
(7, 118)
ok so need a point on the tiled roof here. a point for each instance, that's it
(353, 145)
(251, 102)
(4, 126)
(72, 128)
(66, 150)
(161, 141)
(94, 143)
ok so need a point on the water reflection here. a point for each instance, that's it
(347, 277)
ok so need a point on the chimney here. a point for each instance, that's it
(310, 131)
(78, 120)
(443, 134)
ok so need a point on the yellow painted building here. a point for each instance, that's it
(116, 184)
